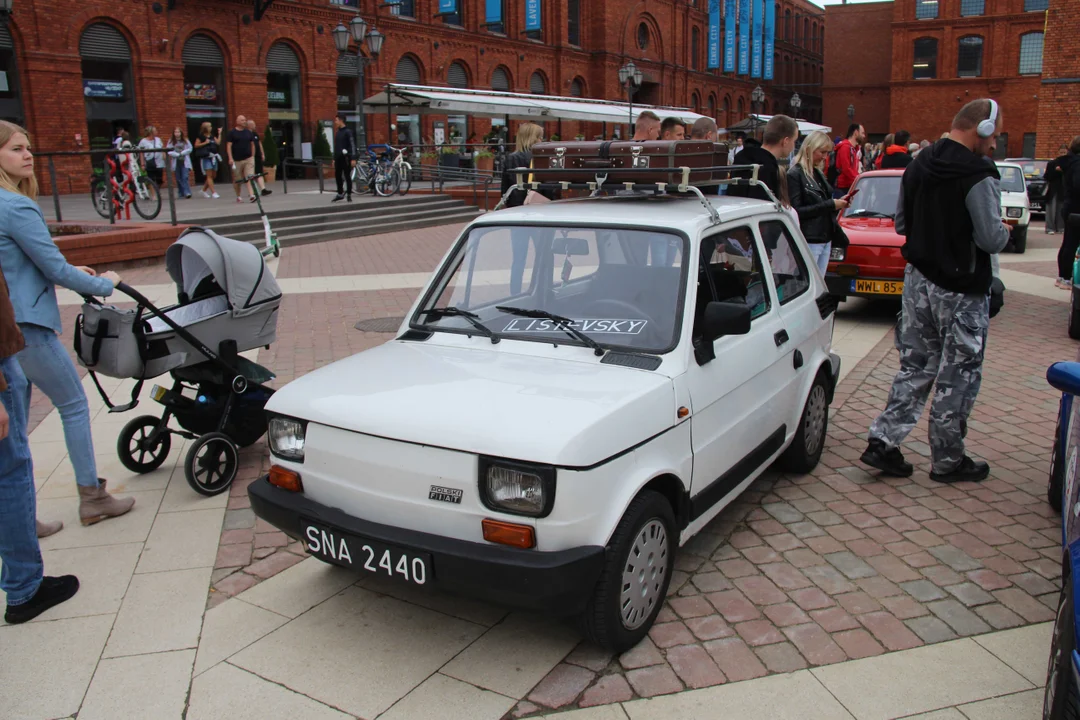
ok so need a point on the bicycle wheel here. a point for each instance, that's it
(100, 197)
(147, 198)
(405, 172)
(387, 181)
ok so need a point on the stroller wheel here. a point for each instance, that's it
(211, 464)
(134, 448)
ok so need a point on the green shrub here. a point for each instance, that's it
(270, 149)
(321, 147)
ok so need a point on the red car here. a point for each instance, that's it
(871, 266)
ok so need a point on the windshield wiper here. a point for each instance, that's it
(870, 214)
(471, 317)
(564, 323)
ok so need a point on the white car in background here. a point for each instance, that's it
(1015, 205)
(581, 387)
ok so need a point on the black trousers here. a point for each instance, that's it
(1070, 242)
(343, 175)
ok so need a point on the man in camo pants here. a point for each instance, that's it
(950, 211)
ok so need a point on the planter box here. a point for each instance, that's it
(271, 173)
(98, 244)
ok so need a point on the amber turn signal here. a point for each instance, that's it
(683, 412)
(285, 479)
(505, 533)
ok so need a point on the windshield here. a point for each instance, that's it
(619, 287)
(877, 197)
(1032, 168)
(1012, 180)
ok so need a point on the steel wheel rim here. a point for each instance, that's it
(1055, 657)
(814, 423)
(644, 573)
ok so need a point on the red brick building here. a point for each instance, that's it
(858, 67)
(78, 71)
(1059, 92)
(941, 54)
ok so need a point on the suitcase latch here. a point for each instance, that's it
(559, 161)
(637, 161)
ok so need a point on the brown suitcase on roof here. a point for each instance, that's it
(616, 155)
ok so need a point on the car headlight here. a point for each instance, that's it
(286, 436)
(1014, 212)
(517, 488)
(837, 254)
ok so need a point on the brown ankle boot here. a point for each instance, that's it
(45, 529)
(96, 505)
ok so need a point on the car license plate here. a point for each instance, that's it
(374, 557)
(878, 287)
(1035, 206)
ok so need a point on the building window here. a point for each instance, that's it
(787, 25)
(537, 84)
(456, 17)
(404, 8)
(407, 72)
(643, 36)
(1002, 150)
(500, 80)
(813, 39)
(695, 48)
(496, 22)
(742, 109)
(712, 106)
(1028, 149)
(1036, 5)
(573, 22)
(969, 57)
(1031, 53)
(695, 102)
(806, 32)
(577, 88)
(969, 8)
(926, 9)
(457, 76)
(925, 65)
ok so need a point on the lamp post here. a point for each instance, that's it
(757, 98)
(796, 103)
(357, 31)
(630, 78)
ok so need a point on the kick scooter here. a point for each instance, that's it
(272, 244)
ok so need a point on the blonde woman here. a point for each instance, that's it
(33, 267)
(812, 198)
(527, 135)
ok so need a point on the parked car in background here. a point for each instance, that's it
(1015, 210)
(1035, 176)
(871, 265)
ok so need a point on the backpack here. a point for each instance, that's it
(833, 173)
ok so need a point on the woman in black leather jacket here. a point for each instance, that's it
(811, 196)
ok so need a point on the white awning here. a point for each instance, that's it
(756, 121)
(422, 99)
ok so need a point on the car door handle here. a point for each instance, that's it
(780, 337)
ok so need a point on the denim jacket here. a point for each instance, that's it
(34, 266)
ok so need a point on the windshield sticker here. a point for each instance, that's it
(612, 326)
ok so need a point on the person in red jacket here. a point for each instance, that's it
(849, 159)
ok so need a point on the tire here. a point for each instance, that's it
(387, 182)
(1060, 701)
(646, 531)
(1019, 240)
(211, 464)
(1074, 314)
(803, 454)
(99, 197)
(406, 179)
(133, 450)
(1055, 485)
(148, 207)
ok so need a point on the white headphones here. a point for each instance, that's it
(989, 126)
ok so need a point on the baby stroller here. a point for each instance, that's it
(227, 303)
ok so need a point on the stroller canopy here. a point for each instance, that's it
(237, 267)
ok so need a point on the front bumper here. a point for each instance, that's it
(557, 582)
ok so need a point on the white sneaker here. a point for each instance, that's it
(1063, 284)
(205, 194)
(215, 196)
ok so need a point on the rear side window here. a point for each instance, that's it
(732, 271)
(788, 266)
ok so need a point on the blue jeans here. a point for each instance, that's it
(183, 187)
(48, 366)
(821, 252)
(663, 254)
(20, 554)
(519, 247)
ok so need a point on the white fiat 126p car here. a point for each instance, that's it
(580, 388)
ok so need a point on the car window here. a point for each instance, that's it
(732, 272)
(621, 287)
(788, 265)
(877, 197)
(1012, 180)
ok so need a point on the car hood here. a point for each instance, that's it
(1014, 199)
(871, 231)
(488, 401)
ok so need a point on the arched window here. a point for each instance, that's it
(537, 84)
(500, 79)
(1031, 53)
(742, 109)
(695, 101)
(457, 76)
(806, 32)
(924, 66)
(695, 48)
(813, 39)
(727, 110)
(969, 56)
(712, 106)
(643, 36)
(283, 93)
(204, 83)
(408, 71)
(787, 25)
(577, 88)
(107, 84)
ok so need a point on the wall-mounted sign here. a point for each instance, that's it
(276, 96)
(532, 15)
(344, 101)
(103, 89)
(200, 92)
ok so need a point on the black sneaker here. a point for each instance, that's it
(349, 198)
(338, 198)
(968, 470)
(267, 191)
(889, 461)
(51, 592)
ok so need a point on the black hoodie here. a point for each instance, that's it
(937, 219)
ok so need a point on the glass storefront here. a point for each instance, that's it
(283, 101)
(107, 86)
(10, 101)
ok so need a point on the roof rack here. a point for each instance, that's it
(532, 179)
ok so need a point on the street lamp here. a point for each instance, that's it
(357, 32)
(757, 98)
(796, 103)
(630, 78)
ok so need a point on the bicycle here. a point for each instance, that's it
(272, 247)
(404, 170)
(147, 195)
(375, 174)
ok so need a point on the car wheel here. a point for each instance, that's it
(1055, 489)
(805, 450)
(636, 575)
(1074, 315)
(1019, 240)
(1060, 701)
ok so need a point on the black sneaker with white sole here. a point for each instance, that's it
(888, 460)
(967, 471)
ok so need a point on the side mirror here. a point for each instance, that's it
(725, 318)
